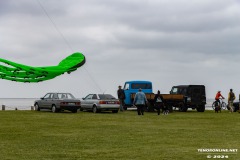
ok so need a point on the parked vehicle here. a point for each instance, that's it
(131, 87)
(194, 96)
(100, 102)
(57, 102)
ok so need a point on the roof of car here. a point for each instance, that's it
(184, 86)
(59, 93)
(136, 81)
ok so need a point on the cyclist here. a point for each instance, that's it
(218, 95)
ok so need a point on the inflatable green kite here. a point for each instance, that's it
(22, 73)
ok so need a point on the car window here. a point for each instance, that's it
(55, 96)
(126, 86)
(94, 96)
(106, 96)
(62, 95)
(48, 96)
(70, 96)
(182, 91)
(141, 85)
(174, 91)
(89, 96)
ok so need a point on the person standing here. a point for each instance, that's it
(140, 101)
(231, 98)
(121, 97)
(158, 102)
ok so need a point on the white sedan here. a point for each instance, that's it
(100, 102)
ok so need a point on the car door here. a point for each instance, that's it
(54, 100)
(86, 104)
(47, 101)
(94, 100)
(43, 101)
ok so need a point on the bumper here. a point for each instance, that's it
(108, 107)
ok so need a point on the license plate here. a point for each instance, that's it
(71, 103)
(110, 102)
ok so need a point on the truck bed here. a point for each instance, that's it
(166, 97)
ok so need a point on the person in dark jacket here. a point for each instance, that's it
(158, 102)
(121, 97)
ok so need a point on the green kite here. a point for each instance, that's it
(23, 73)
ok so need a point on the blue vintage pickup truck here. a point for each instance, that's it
(132, 87)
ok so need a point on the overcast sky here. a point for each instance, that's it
(168, 42)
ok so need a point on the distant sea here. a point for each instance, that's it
(19, 103)
(26, 103)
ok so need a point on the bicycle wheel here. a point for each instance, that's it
(214, 105)
(224, 105)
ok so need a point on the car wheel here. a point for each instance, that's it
(182, 107)
(81, 109)
(54, 109)
(115, 111)
(95, 110)
(37, 108)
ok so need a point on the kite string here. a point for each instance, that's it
(66, 41)
(55, 26)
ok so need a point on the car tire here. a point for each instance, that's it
(37, 108)
(182, 107)
(95, 110)
(54, 109)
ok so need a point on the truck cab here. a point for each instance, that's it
(131, 87)
(195, 96)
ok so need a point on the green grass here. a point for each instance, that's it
(106, 136)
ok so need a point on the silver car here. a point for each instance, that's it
(100, 102)
(57, 102)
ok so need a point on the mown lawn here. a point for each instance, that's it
(125, 135)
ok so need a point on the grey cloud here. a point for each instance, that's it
(167, 42)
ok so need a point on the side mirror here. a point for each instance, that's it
(83, 98)
(42, 98)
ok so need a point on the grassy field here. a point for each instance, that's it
(125, 135)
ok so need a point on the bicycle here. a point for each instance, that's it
(223, 105)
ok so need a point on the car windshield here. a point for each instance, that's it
(106, 96)
(174, 91)
(65, 96)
